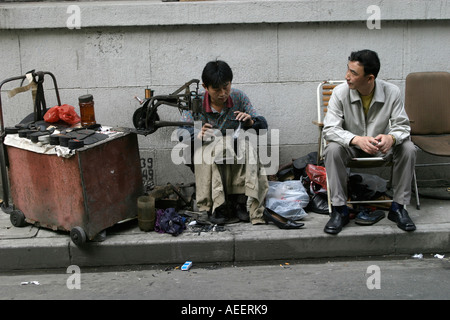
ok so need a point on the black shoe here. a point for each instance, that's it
(336, 222)
(242, 213)
(222, 216)
(401, 217)
(280, 221)
(367, 217)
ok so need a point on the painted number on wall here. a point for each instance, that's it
(147, 172)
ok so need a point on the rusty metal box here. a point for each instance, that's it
(92, 190)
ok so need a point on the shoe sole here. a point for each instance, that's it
(367, 223)
(224, 221)
(232, 220)
(332, 231)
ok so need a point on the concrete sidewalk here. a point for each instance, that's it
(34, 248)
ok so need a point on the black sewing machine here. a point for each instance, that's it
(146, 119)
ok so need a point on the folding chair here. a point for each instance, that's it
(428, 107)
(324, 91)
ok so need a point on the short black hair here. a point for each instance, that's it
(217, 73)
(369, 59)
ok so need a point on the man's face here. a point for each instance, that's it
(355, 76)
(219, 95)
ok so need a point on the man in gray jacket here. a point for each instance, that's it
(366, 117)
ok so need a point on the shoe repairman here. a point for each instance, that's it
(228, 185)
(366, 117)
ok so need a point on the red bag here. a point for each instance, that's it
(52, 115)
(65, 113)
(318, 177)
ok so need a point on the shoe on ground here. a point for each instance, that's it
(223, 216)
(242, 213)
(336, 223)
(367, 217)
(280, 221)
(401, 217)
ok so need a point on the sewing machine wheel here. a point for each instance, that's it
(139, 117)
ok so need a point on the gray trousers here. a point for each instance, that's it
(337, 157)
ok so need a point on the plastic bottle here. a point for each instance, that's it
(87, 110)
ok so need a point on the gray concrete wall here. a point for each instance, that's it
(279, 52)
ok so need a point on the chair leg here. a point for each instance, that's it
(319, 154)
(416, 190)
(328, 197)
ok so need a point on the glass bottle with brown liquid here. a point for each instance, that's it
(87, 110)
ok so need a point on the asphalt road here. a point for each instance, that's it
(403, 278)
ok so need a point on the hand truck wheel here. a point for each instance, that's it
(78, 236)
(17, 218)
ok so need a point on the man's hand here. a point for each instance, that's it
(382, 142)
(367, 144)
(205, 132)
(385, 143)
(244, 117)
